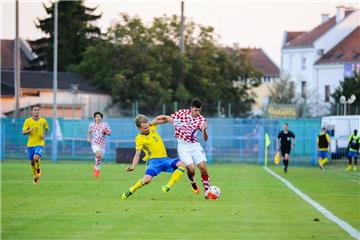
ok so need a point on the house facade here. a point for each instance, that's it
(316, 61)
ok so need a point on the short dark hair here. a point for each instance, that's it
(96, 113)
(196, 103)
(36, 105)
(286, 124)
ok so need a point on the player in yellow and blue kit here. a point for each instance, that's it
(323, 142)
(353, 147)
(36, 128)
(149, 141)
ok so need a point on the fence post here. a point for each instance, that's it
(229, 110)
(175, 106)
(219, 108)
(163, 109)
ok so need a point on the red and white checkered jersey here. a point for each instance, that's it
(186, 126)
(98, 133)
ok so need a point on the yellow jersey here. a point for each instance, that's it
(152, 144)
(39, 126)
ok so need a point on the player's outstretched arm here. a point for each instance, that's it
(135, 161)
(88, 136)
(161, 119)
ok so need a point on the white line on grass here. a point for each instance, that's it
(344, 225)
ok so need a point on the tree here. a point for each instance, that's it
(350, 85)
(282, 91)
(76, 32)
(141, 63)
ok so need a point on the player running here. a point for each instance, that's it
(186, 123)
(99, 129)
(354, 143)
(283, 143)
(323, 142)
(36, 128)
(149, 141)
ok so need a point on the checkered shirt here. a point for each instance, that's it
(185, 125)
(98, 135)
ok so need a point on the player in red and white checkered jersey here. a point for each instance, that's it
(98, 129)
(187, 123)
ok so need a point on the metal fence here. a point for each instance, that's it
(230, 139)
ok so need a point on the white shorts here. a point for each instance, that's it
(191, 153)
(96, 148)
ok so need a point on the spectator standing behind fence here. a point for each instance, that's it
(36, 128)
(99, 129)
(284, 144)
(323, 142)
(353, 149)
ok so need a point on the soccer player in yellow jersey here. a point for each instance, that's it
(36, 128)
(149, 141)
(323, 142)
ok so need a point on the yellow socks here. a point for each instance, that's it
(176, 176)
(139, 184)
(33, 168)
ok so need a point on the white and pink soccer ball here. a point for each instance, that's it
(213, 193)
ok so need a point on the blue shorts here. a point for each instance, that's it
(158, 165)
(352, 154)
(38, 150)
(323, 154)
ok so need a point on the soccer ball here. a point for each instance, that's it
(213, 193)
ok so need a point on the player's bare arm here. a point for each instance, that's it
(88, 136)
(135, 161)
(42, 137)
(24, 132)
(204, 131)
(161, 119)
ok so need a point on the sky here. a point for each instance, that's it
(259, 24)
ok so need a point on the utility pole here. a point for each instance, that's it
(182, 44)
(55, 83)
(17, 61)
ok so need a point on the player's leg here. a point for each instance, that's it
(38, 152)
(320, 161)
(199, 158)
(350, 161)
(32, 163)
(185, 156)
(204, 175)
(177, 168)
(98, 159)
(355, 162)
(286, 162)
(139, 184)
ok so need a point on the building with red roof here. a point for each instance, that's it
(319, 59)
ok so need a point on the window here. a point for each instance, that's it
(303, 63)
(327, 93)
(303, 89)
(292, 86)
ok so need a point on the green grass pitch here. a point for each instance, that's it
(69, 203)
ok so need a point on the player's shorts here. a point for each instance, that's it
(37, 150)
(158, 165)
(323, 154)
(352, 154)
(96, 148)
(284, 151)
(191, 153)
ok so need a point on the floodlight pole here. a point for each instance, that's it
(182, 44)
(17, 61)
(55, 83)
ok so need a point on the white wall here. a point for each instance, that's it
(293, 67)
(328, 74)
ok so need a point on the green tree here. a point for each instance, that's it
(141, 63)
(76, 32)
(348, 87)
(282, 91)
